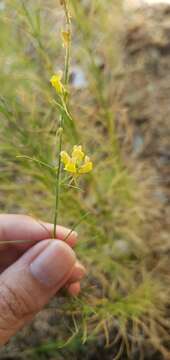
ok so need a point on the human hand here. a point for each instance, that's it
(33, 268)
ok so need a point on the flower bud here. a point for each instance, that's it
(66, 37)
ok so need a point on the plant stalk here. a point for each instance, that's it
(61, 120)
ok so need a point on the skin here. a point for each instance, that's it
(24, 290)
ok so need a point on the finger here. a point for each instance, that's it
(74, 289)
(8, 255)
(27, 285)
(78, 273)
(65, 234)
(22, 227)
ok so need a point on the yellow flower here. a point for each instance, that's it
(87, 166)
(78, 163)
(66, 37)
(71, 167)
(65, 158)
(77, 153)
(56, 82)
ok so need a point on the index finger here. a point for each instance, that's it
(24, 231)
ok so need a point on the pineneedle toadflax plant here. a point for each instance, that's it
(123, 300)
(78, 163)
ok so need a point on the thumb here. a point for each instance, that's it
(27, 285)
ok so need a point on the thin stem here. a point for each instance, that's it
(67, 13)
(57, 189)
(76, 225)
(68, 47)
(61, 120)
(36, 160)
(5, 242)
(67, 63)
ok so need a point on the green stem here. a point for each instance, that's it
(66, 79)
(35, 160)
(68, 48)
(67, 63)
(57, 189)
(76, 225)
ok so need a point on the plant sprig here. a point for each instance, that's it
(78, 163)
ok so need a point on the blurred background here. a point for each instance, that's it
(119, 98)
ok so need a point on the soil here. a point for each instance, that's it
(145, 98)
(146, 92)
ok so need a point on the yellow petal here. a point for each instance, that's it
(87, 159)
(86, 168)
(71, 167)
(77, 153)
(56, 82)
(65, 158)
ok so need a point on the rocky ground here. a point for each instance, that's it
(139, 3)
(146, 94)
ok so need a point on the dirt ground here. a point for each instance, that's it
(146, 105)
(146, 95)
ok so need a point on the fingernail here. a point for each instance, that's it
(79, 271)
(54, 264)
